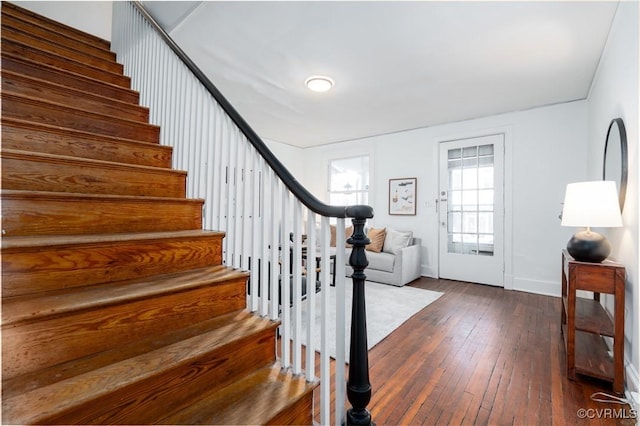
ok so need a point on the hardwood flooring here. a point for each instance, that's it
(480, 355)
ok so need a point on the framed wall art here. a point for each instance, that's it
(402, 196)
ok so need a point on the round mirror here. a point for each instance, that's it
(615, 165)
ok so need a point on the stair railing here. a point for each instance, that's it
(264, 211)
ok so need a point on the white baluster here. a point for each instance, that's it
(256, 223)
(285, 288)
(326, 312)
(266, 242)
(340, 323)
(276, 223)
(310, 363)
(246, 209)
(297, 287)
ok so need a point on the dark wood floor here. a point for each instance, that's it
(480, 355)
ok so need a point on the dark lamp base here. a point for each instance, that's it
(589, 246)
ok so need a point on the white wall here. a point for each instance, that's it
(545, 150)
(93, 17)
(614, 93)
(291, 156)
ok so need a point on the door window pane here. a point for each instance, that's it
(455, 175)
(471, 200)
(455, 222)
(485, 200)
(455, 202)
(470, 222)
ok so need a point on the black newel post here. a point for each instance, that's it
(358, 386)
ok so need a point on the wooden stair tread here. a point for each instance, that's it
(35, 307)
(64, 213)
(31, 86)
(35, 27)
(48, 44)
(16, 193)
(37, 264)
(33, 406)
(30, 170)
(59, 241)
(25, 14)
(85, 162)
(47, 341)
(71, 91)
(18, 106)
(17, 385)
(80, 133)
(12, 387)
(254, 399)
(18, 47)
(17, 133)
(67, 77)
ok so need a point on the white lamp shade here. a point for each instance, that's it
(591, 204)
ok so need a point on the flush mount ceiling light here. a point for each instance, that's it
(319, 83)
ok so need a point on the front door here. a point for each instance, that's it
(471, 210)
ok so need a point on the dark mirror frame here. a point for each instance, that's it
(618, 123)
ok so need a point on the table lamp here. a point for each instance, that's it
(588, 204)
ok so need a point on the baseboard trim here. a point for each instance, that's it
(546, 288)
(508, 282)
(427, 271)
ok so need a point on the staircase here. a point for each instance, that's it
(116, 307)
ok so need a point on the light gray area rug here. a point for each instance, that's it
(388, 307)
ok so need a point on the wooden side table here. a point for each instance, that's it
(585, 321)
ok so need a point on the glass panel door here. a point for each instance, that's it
(471, 210)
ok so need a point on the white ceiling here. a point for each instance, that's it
(397, 65)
